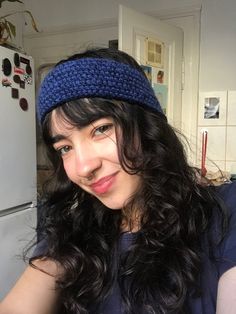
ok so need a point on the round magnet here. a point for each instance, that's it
(16, 79)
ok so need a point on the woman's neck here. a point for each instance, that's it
(130, 225)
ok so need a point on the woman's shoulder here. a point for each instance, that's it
(226, 258)
(227, 192)
(227, 195)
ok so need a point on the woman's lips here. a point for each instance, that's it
(104, 184)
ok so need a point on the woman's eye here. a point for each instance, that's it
(102, 129)
(63, 150)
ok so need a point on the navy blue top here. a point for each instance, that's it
(226, 259)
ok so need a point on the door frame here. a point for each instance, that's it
(188, 19)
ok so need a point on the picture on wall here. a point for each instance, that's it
(158, 76)
(212, 108)
(154, 52)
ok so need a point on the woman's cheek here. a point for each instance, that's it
(68, 169)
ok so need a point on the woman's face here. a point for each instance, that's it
(90, 160)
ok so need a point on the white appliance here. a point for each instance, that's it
(18, 188)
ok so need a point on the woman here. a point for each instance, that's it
(127, 226)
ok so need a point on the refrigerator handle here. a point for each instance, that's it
(15, 209)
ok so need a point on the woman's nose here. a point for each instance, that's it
(88, 162)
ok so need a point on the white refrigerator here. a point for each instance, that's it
(18, 188)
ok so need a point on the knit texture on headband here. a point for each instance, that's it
(94, 77)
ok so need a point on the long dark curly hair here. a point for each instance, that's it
(161, 269)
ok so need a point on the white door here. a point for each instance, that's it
(158, 47)
(16, 232)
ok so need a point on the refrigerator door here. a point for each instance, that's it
(16, 232)
(18, 134)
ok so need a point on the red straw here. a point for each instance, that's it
(204, 149)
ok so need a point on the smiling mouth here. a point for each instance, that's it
(103, 185)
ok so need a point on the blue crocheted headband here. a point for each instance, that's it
(94, 77)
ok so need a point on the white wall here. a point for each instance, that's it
(218, 45)
(73, 12)
(69, 26)
(217, 73)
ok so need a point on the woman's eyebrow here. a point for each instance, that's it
(57, 138)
